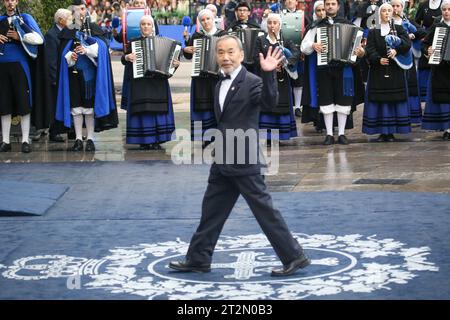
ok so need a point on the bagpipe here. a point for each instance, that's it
(19, 25)
(404, 61)
(287, 54)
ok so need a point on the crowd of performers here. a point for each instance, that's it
(63, 80)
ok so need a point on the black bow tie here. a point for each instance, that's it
(224, 76)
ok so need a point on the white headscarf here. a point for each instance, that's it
(445, 2)
(316, 4)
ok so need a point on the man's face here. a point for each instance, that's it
(291, 4)
(10, 5)
(66, 20)
(331, 7)
(139, 3)
(243, 13)
(80, 11)
(229, 55)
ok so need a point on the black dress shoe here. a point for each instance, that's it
(299, 263)
(5, 147)
(90, 146)
(77, 146)
(381, 138)
(343, 140)
(26, 148)
(390, 138)
(446, 136)
(298, 112)
(56, 138)
(328, 140)
(184, 266)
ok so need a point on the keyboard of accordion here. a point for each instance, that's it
(155, 55)
(322, 37)
(440, 45)
(204, 58)
(138, 64)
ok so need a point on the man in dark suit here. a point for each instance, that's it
(239, 98)
(63, 17)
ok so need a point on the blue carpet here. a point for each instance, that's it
(111, 235)
(28, 197)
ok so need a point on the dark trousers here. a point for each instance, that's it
(219, 199)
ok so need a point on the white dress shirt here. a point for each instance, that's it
(225, 86)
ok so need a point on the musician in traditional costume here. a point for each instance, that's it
(337, 82)
(427, 13)
(203, 85)
(367, 18)
(282, 117)
(415, 34)
(437, 108)
(243, 11)
(85, 84)
(302, 22)
(310, 110)
(150, 117)
(19, 37)
(386, 109)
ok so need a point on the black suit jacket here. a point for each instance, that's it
(51, 52)
(247, 97)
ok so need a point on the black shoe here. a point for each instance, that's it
(26, 148)
(56, 138)
(184, 266)
(343, 140)
(390, 138)
(446, 136)
(302, 262)
(328, 140)
(298, 112)
(382, 138)
(78, 145)
(5, 147)
(90, 146)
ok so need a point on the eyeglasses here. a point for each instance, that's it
(242, 10)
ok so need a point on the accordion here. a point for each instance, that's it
(204, 58)
(339, 43)
(248, 38)
(154, 55)
(441, 45)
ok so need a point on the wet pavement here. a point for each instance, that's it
(419, 161)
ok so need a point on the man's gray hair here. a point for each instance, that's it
(227, 37)
(62, 14)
